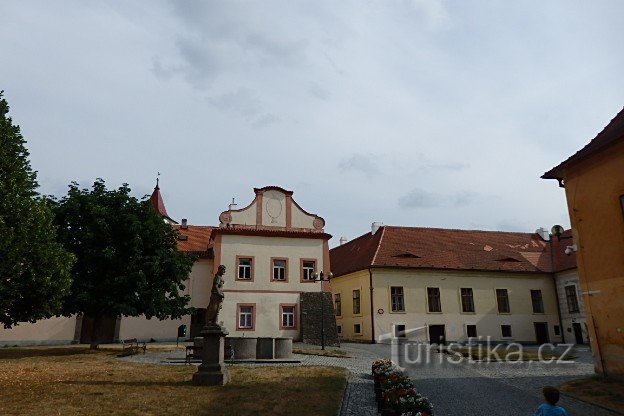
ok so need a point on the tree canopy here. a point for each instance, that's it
(34, 267)
(127, 261)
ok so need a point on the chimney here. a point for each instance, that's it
(543, 233)
(184, 225)
(232, 205)
(343, 240)
(375, 226)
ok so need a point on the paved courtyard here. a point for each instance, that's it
(505, 389)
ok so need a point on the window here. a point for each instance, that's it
(506, 331)
(339, 329)
(396, 299)
(338, 304)
(357, 328)
(433, 297)
(308, 267)
(471, 331)
(399, 331)
(573, 305)
(246, 317)
(502, 298)
(356, 302)
(280, 272)
(557, 330)
(245, 268)
(467, 300)
(538, 303)
(288, 318)
(622, 203)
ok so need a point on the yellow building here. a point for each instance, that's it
(593, 179)
(438, 285)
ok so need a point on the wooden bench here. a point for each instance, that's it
(133, 346)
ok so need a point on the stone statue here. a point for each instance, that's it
(216, 297)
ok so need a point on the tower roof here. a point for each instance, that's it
(158, 203)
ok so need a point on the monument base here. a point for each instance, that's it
(212, 371)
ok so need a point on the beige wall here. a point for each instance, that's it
(274, 209)
(267, 314)
(486, 316)
(47, 331)
(300, 219)
(145, 329)
(567, 278)
(262, 249)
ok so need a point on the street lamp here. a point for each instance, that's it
(321, 277)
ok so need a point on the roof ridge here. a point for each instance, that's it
(460, 229)
(383, 232)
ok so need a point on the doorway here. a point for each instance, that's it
(578, 333)
(541, 332)
(437, 334)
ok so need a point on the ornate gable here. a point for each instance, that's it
(272, 208)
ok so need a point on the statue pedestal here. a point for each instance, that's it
(212, 371)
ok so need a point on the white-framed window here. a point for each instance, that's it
(397, 300)
(502, 300)
(467, 300)
(245, 266)
(433, 299)
(572, 299)
(356, 302)
(357, 328)
(246, 317)
(308, 267)
(279, 269)
(288, 316)
(537, 301)
(338, 303)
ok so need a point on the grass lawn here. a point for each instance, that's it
(77, 381)
(606, 392)
(325, 353)
(513, 354)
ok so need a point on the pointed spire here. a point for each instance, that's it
(158, 203)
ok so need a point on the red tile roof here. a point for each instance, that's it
(197, 239)
(611, 134)
(436, 248)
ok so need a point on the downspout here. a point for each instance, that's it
(370, 275)
(554, 276)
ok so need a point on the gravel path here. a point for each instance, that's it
(505, 389)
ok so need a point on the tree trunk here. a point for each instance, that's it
(95, 342)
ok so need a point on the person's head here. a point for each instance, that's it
(551, 394)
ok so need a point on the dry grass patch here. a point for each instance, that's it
(606, 392)
(77, 381)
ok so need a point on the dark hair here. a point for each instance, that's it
(551, 394)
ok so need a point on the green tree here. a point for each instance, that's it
(127, 261)
(34, 267)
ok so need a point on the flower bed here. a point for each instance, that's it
(395, 392)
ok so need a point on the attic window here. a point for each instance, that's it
(182, 237)
(508, 259)
(407, 255)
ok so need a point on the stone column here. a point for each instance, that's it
(212, 371)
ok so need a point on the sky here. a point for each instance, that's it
(424, 113)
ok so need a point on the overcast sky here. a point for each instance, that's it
(411, 112)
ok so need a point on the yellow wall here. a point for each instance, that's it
(345, 286)
(593, 191)
(486, 316)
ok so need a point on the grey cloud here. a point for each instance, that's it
(245, 103)
(360, 163)
(421, 198)
(319, 92)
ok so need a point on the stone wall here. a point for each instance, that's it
(311, 318)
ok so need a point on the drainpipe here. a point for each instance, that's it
(370, 276)
(554, 276)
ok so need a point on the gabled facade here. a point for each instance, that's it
(593, 179)
(446, 285)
